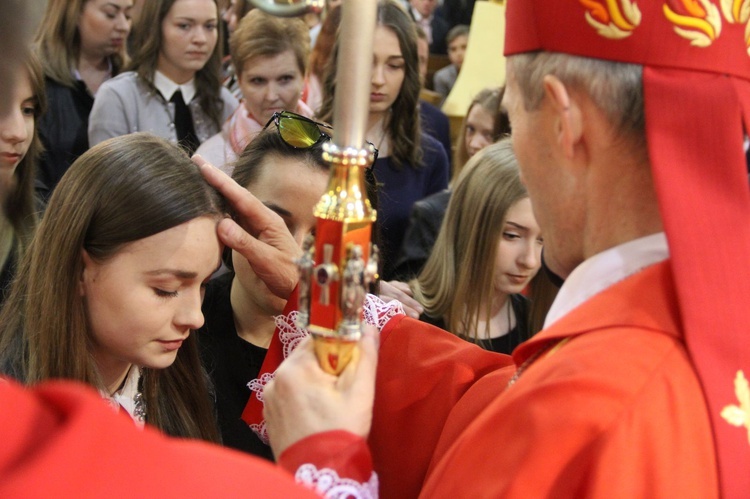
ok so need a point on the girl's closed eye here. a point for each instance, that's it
(165, 294)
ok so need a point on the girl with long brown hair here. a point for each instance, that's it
(19, 151)
(485, 122)
(411, 165)
(111, 286)
(173, 88)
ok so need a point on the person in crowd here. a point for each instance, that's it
(411, 164)
(432, 119)
(82, 44)
(239, 309)
(487, 251)
(320, 57)
(270, 54)
(110, 289)
(445, 78)
(436, 28)
(173, 89)
(232, 13)
(456, 12)
(19, 150)
(485, 123)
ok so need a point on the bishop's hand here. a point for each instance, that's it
(303, 400)
(257, 233)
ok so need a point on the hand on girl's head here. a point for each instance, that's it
(257, 233)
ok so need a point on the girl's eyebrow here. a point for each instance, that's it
(278, 209)
(180, 274)
(517, 226)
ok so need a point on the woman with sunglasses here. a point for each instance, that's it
(270, 56)
(173, 89)
(412, 165)
(111, 286)
(283, 167)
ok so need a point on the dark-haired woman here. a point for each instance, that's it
(173, 89)
(238, 307)
(19, 151)
(110, 288)
(411, 165)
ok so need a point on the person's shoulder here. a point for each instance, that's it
(126, 82)
(445, 72)
(230, 101)
(433, 204)
(212, 149)
(431, 142)
(434, 152)
(432, 112)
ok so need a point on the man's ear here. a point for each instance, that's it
(86, 268)
(568, 123)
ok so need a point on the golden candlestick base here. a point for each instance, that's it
(333, 353)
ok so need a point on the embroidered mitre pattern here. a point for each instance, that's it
(739, 415)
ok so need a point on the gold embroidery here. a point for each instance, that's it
(701, 25)
(738, 11)
(739, 415)
(615, 19)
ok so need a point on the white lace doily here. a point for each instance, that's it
(328, 484)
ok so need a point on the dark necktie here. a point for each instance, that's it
(183, 122)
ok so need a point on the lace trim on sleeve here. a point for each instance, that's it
(328, 484)
(376, 312)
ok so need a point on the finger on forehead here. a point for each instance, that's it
(250, 209)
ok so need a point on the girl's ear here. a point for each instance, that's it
(86, 270)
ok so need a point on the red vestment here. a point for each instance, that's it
(607, 405)
(61, 439)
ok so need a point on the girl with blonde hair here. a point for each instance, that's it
(487, 251)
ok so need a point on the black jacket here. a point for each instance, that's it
(64, 132)
(424, 224)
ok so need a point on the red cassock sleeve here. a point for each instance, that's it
(422, 373)
(61, 439)
(616, 412)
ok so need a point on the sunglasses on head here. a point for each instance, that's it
(301, 132)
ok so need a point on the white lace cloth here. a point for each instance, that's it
(376, 312)
(330, 485)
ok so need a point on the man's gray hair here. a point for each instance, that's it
(614, 87)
